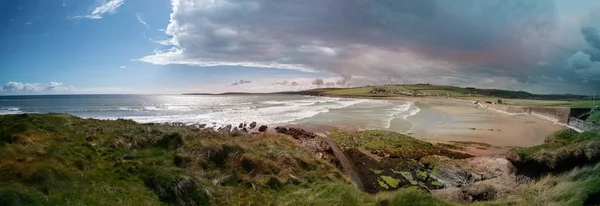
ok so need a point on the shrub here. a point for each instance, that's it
(10, 197)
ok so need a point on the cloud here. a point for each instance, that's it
(141, 20)
(241, 82)
(462, 42)
(318, 82)
(19, 87)
(542, 63)
(107, 7)
(282, 83)
(123, 67)
(591, 36)
(582, 64)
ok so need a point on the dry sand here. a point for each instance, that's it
(445, 120)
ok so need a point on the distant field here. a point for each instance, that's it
(519, 98)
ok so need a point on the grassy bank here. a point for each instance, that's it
(64, 160)
(56, 159)
(562, 151)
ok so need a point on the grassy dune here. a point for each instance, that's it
(55, 159)
(64, 160)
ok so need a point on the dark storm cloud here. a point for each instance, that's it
(462, 42)
(591, 36)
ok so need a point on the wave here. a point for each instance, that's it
(412, 112)
(273, 114)
(394, 112)
(10, 110)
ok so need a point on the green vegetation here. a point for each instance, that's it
(594, 117)
(57, 159)
(392, 182)
(581, 186)
(376, 171)
(439, 90)
(563, 150)
(395, 144)
(566, 103)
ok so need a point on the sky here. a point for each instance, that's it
(176, 46)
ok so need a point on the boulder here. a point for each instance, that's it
(263, 128)
(225, 129)
(252, 125)
(241, 125)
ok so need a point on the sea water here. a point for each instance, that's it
(222, 109)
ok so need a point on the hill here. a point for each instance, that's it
(427, 90)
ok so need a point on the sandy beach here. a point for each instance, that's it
(446, 120)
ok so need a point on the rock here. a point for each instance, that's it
(235, 129)
(241, 125)
(202, 126)
(225, 129)
(480, 192)
(299, 134)
(178, 124)
(244, 130)
(263, 128)
(252, 125)
(282, 130)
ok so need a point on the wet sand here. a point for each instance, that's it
(445, 120)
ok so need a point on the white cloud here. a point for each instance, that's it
(28, 23)
(19, 87)
(141, 20)
(107, 7)
(122, 67)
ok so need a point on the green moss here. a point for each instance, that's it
(376, 171)
(422, 175)
(393, 182)
(437, 184)
(383, 184)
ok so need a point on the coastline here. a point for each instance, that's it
(452, 120)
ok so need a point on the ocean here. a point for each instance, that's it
(223, 109)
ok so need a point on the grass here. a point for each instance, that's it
(577, 187)
(594, 117)
(568, 103)
(563, 151)
(510, 97)
(395, 144)
(56, 159)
